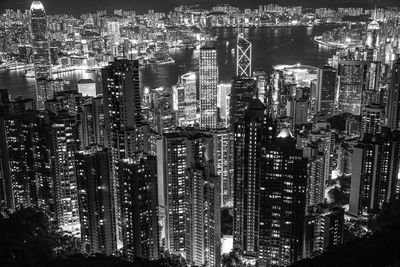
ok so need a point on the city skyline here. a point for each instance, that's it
(283, 164)
(79, 7)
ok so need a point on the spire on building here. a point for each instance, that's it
(243, 56)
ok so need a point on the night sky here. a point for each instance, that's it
(77, 7)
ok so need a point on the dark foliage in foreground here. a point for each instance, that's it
(380, 249)
(26, 239)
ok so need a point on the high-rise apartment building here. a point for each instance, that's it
(324, 229)
(92, 127)
(190, 195)
(64, 145)
(122, 118)
(375, 166)
(373, 119)
(139, 207)
(96, 207)
(26, 180)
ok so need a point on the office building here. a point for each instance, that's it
(393, 101)
(208, 87)
(243, 56)
(325, 91)
(243, 91)
(353, 83)
(185, 100)
(41, 52)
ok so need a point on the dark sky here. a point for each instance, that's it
(81, 6)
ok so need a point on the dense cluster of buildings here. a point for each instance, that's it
(145, 172)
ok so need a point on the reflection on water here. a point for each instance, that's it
(271, 46)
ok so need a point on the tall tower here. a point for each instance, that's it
(375, 165)
(353, 83)
(283, 200)
(242, 93)
(243, 57)
(96, 209)
(190, 193)
(393, 103)
(64, 145)
(326, 88)
(122, 107)
(208, 82)
(122, 116)
(41, 52)
(139, 206)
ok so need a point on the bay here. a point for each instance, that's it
(271, 46)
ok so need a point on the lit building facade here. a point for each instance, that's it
(243, 57)
(139, 207)
(64, 145)
(96, 209)
(208, 87)
(375, 166)
(41, 52)
(325, 91)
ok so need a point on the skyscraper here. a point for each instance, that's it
(373, 119)
(324, 229)
(122, 105)
(283, 202)
(96, 209)
(139, 207)
(25, 172)
(64, 145)
(243, 57)
(92, 125)
(326, 89)
(243, 91)
(375, 166)
(122, 117)
(372, 40)
(270, 191)
(190, 195)
(353, 83)
(248, 135)
(41, 52)
(223, 163)
(393, 102)
(208, 83)
(185, 99)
